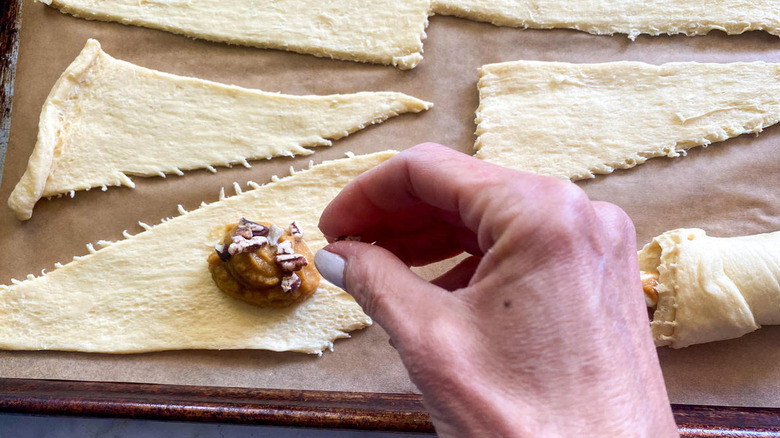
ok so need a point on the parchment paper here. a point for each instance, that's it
(729, 189)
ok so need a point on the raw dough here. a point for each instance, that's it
(631, 17)
(153, 291)
(378, 31)
(575, 120)
(712, 289)
(106, 119)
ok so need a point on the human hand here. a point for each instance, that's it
(542, 331)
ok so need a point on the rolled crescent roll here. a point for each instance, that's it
(711, 289)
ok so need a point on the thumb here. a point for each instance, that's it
(383, 285)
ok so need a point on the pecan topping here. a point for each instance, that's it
(264, 264)
(246, 233)
(291, 262)
(241, 244)
(295, 231)
(248, 237)
(284, 247)
(249, 229)
(222, 252)
(290, 282)
(274, 234)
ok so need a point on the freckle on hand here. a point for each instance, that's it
(507, 303)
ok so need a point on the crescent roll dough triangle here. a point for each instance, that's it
(378, 31)
(106, 119)
(631, 17)
(712, 289)
(576, 120)
(153, 291)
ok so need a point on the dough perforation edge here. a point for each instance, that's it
(91, 250)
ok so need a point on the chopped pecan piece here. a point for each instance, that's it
(291, 262)
(222, 252)
(290, 283)
(295, 231)
(246, 233)
(284, 247)
(249, 229)
(241, 244)
(274, 234)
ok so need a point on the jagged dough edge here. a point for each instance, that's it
(32, 186)
(237, 189)
(680, 148)
(338, 332)
(684, 28)
(29, 189)
(672, 150)
(403, 62)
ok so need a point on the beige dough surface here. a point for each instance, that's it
(630, 17)
(576, 120)
(712, 289)
(106, 119)
(378, 31)
(153, 291)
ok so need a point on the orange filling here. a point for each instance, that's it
(649, 285)
(262, 267)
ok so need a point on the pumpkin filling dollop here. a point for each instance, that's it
(264, 265)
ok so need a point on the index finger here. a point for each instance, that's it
(428, 173)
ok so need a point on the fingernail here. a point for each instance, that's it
(331, 266)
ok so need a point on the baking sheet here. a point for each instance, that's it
(728, 189)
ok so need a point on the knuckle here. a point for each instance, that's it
(564, 201)
(569, 213)
(565, 221)
(617, 225)
(614, 216)
(573, 200)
